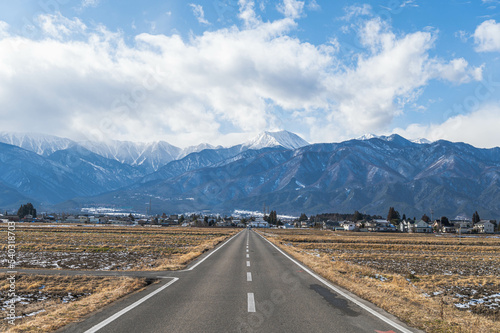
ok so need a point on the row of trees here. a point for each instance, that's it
(393, 216)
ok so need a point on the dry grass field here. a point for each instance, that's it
(433, 282)
(46, 303)
(110, 247)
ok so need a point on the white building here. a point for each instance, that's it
(258, 223)
(484, 227)
(349, 226)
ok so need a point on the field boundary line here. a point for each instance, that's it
(130, 307)
(340, 292)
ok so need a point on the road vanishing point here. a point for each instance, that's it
(246, 284)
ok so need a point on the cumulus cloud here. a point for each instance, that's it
(247, 13)
(190, 91)
(479, 128)
(4, 29)
(58, 26)
(199, 13)
(487, 36)
(291, 8)
(369, 95)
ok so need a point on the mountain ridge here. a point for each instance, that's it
(366, 175)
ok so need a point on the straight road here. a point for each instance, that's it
(244, 285)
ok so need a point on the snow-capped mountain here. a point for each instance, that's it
(421, 141)
(67, 173)
(369, 176)
(284, 139)
(367, 136)
(194, 149)
(149, 156)
(42, 144)
(370, 136)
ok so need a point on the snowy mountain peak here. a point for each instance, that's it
(367, 136)
(195, 149)
(42, 144)
(284, 139)
(421, 141)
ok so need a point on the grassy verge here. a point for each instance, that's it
(46, 303)
(455, 291)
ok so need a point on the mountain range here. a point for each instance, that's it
(278, 170)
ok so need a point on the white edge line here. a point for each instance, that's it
(338, 291)
(202, 260)
(128, 308)
(251, 302)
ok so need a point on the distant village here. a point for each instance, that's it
(337, 222)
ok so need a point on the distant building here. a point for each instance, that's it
(422, 227)
(258, 223)
(484, 227)
(379, 226)
(349, 226)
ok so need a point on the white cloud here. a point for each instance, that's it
(487, 36)
(479, 128)
(357, 10)
(199, 13)
(227, 80)
(313, 5)
(4, 29)
(459, 71)
(408, 3)
(371, 94)
(463, 35)
(90, 3)
(247, 13)
(291, 8)
(58, 26)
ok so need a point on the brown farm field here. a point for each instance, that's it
(110, 247)
(44, 303)
(438, 283)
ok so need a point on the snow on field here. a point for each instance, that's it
(81, 260)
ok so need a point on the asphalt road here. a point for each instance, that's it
(244, 285)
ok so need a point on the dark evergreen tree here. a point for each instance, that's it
(27, 209)
(444, 221)
(426, 218)
(475, 218)
(404, 217)
(393, 215)
(303, 217)
(357, 216)
(273, 218)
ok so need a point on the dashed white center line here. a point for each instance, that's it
(248, 263)
(247, 250)
(249, 277)
(251, 303)
(248, 256)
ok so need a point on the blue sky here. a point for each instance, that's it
(222, 71)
